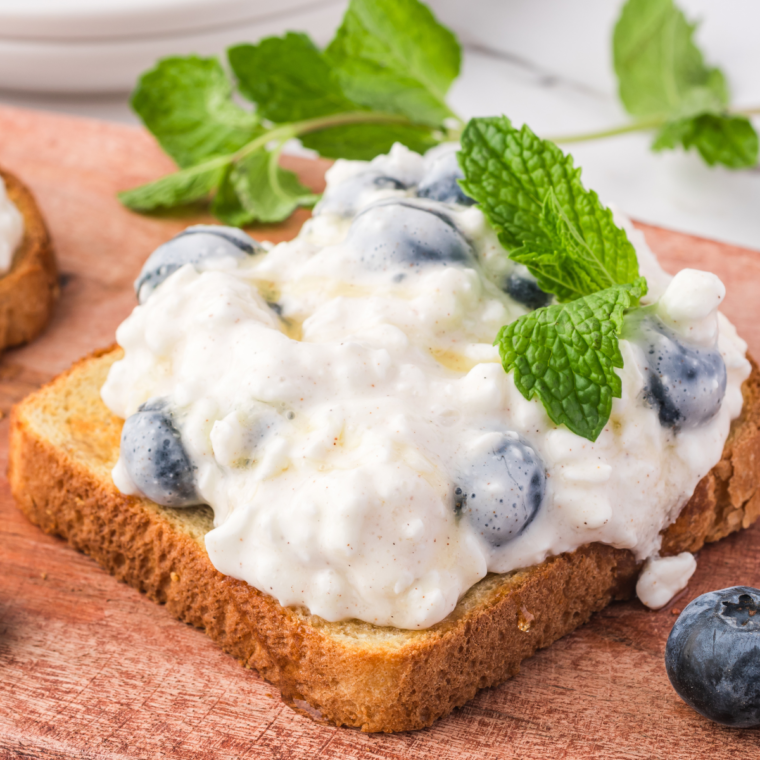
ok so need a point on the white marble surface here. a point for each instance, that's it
(548, 63)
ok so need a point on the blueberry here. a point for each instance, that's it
(152, 451)
(195, 244)
(500, 493)
(523, 288)
(440, 181)
(686, 384)
(713, 656)
(392, 233)
(348, 197)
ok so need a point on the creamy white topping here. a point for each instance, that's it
(689, 306)
(663, 577)
(330, 442)
(11, 229)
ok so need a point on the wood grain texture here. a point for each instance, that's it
(90, 669)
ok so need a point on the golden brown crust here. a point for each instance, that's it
(348, 673)
(29, 290)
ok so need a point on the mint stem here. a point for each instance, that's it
(288, 131)
(298, 128)
(636, 126)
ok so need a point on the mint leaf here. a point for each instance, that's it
(227, 207)
(382, 80)
(257, 189)
(393, 56)
(362, 142)
(180, 188)
(187, 104)
(563, 263)
(720, 139)
(288, 79)
(534, 198)
(661, 72)
(566, 355)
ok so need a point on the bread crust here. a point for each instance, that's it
(29, 290)
(349, 673)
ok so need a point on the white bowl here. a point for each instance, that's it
(62, 20)
(113, 65)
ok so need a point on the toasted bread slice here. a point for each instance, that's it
(29, 290)
(64, 443)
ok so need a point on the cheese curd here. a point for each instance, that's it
(11, 229)
(663, 577)
(347, 418)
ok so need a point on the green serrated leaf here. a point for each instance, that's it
(257, 189)
(533, 196)
(226, 206)
(288, 79)
(395, 57)
(362, 142)
(661, 72)
(180, 188)
(564, 263)
(187, 104)
(566, 355)
(720, 139)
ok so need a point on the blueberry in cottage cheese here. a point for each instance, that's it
(393, 233)
(713, 656)
(330, 440)
(154, 458)
(439, 182)
(502, 488)
(522, 286)
(208, 244)
(348, 197)
(11, 229)
(686, 384)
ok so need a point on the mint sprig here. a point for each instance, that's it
(664, 82)
(382, 80)
(533, 196)
(566, 354)
(662, 76)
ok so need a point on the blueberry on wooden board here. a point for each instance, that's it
(153, 454)
(348, 197)
(198, 243)
(393, 234)
(500, 493)
(713, 656)
(685, 383)
(440, 181)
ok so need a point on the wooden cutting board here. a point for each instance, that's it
(91, 669)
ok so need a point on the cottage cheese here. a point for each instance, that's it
(11, 229)
(663, 577)
(330, 439)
